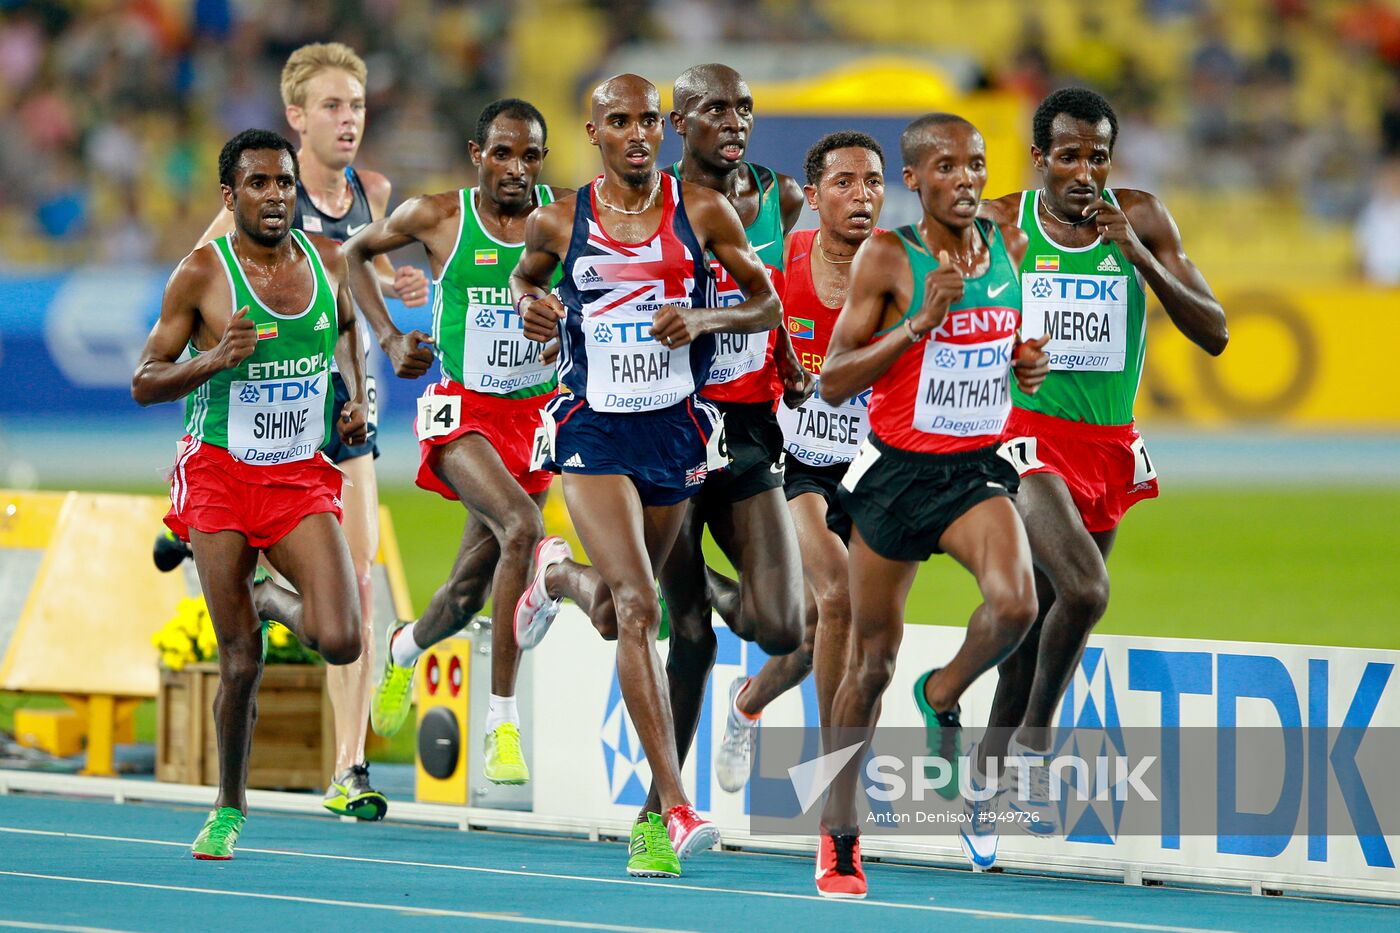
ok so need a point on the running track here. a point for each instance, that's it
(71, 864)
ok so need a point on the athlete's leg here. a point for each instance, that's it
(225, 563)
(315, 559)
(827, 631)
(757, 536)
(989, 541)
(1014, 677)
(879, 590)
(626, 543)
(1073, 562)
(351, 685)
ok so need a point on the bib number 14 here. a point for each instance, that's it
(438, 415)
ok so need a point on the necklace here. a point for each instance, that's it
(1068, 223)
(834, 262)
(651, 198)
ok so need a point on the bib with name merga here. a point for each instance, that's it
(949, 391)
(276, 406)
(612, 290)
(480, 338)
(1091, 302)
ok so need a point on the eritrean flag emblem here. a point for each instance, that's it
(486, 257)
(802, 328)
(267, 331)
(1047, 264)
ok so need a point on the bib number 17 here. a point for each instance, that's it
(1143, 470)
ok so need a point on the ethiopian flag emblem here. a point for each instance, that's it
(486, 257)
(267, 331)
(1047, 264)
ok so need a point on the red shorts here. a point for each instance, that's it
(1105, 467)
(212, 491)
(509, 424)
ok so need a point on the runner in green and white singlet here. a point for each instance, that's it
(262, 314)
(1092, 256)
(480, 429)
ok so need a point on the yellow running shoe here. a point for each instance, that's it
(393, 695)
(504, 762)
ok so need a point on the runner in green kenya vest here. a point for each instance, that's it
(276, 406)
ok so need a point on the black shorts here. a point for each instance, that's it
(823, 481)
(903, 501)
(337, 449)
(755, 444)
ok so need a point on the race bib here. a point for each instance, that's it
(736, 355)
(863, 462)
(628, 369)
(277, 420)
(717, 448)
(1020, 453)
(542, 447)
(819, 434)
(1143, 470)
(1086, 317)
(438, 415)
(963, 388)
(496, 356)
(371, 399)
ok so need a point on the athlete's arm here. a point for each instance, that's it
(406, 283)
(856, 358)
(1002, 211)
(158, 377)
(722, 235)
(798, 384)
(221, 225)
(1030, 364)
(791, 200)
(547, 231)
(353, 423)
(411, 354)
(1148, 236)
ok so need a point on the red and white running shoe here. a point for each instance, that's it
(689, 832)
(535, 610)
(838, 866)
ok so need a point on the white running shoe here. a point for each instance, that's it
(978, 831)
(535, 610)
(1038, 814)
(735, 758)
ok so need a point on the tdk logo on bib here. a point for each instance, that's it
(981, 357)
(1078, 287)
(273, 393)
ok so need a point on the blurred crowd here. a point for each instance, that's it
(113, 111)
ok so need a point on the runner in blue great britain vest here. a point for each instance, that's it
(636, 324)
(260, 313)
(1093, 254)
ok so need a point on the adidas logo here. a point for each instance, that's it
(589, 277)
(574, 461)
(322, 324)
(1109, 264)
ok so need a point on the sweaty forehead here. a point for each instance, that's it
(624, 95)
(264, 162)
(507, 130)
(1066, 130)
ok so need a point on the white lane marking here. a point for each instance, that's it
(57, 927)
(671, 885)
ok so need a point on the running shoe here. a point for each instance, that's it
(393, 695)
(943, 735)
(839, 873)
(219, 835)
(735, 758)
(1038, 814)
(978, 830)
(505, 764)
(689, 831)
(649, 854)
(351, 795)
(535, 610)
(169, 551)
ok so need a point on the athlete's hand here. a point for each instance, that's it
(411, 285)
(550, 352)
(1031, 364)
(943, 287)
(239, 341)
(1113, 226)
(410, 354)
(675, 326)
(542, 317)
(798, 384)
(353, 425)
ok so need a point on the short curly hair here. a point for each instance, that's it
(253, 139)
(815, 165)
(1079, 103)
(510, 107)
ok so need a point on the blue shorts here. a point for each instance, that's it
(337, 449)
(663, 452)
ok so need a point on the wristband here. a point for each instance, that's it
(909, 329)
(521, 300)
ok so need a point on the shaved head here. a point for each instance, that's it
(695, 83)
(918, 137)
(623, 88)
